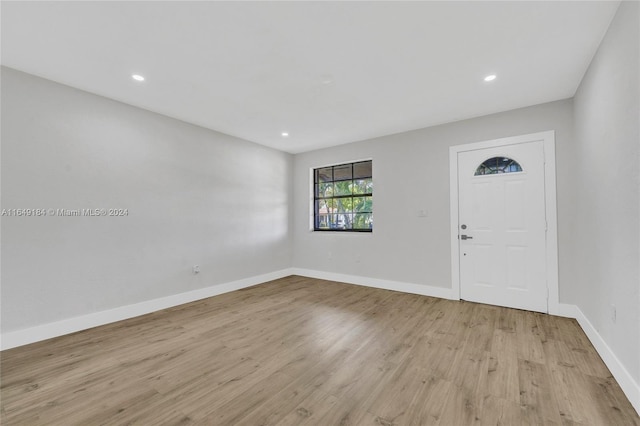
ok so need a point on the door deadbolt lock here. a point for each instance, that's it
(463, 226)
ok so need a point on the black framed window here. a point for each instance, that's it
(343, 197)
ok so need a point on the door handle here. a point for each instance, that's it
(466, 237)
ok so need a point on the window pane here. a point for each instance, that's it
(362, 170)
(324, 207)
(363, 204)
(347, 221)
(341, 221)
(342, 172)
(363, 221)
(324, 175)
(322, 221)
(328, 221)
(324, 190)
(334, 221)
(343, 188)
(344, 205)
(363, 186)
(498, 165)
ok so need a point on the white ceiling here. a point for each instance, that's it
(326, 72)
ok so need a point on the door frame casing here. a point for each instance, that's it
(551, 238)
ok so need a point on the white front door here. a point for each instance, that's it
(502, 227)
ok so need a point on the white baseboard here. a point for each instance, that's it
(422, 289)
(629, 386)
(564, 310)
(71, 325)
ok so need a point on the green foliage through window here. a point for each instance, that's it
(343, 197)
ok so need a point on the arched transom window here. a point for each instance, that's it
(496, 165)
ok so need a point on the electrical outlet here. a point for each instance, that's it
(329, 255)
(423, 213)
(613, 313)
(196, 269)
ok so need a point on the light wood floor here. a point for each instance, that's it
(300, 351)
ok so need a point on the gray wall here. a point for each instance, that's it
(194, 197)
(606, 229)
(411, 173)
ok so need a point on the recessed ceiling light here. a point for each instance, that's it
(285, 134)
(490, 77)
(137, 77)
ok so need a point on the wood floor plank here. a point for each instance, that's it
(310, 410)
(460, 408)
(431, 404)
(301, 351)
(609, 404)
(502, 377)
(529, 344)
(232, 412)
(500, 412)
(349, 411)
(402, 395)
(537, 396)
